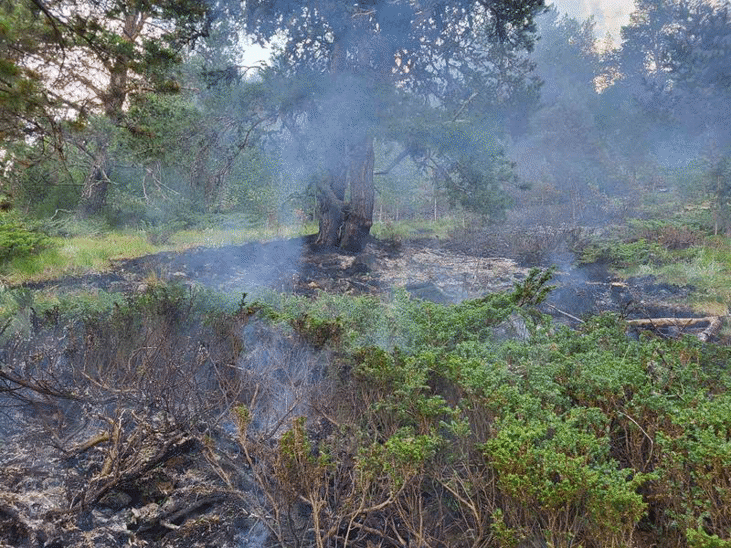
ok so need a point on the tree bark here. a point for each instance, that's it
(347, 224)
(359, 218)
(96, 184)
(331, 207)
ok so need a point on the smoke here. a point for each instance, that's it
(610, 15)
(283, 373)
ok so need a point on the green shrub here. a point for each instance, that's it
(574, 437)
(16, 240)
(626, 254)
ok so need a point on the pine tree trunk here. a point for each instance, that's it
(331, 207)
(96, 184)
(359, 217)
(348, 224)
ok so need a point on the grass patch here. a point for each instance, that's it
(705, 267)
(76, 256)
(679, 251)
(218, 237)
(413, 229)
(77, 253)
(708, 269)
(82, 254)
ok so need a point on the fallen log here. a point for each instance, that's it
(714, 324)
(654, 323)
(712, 330)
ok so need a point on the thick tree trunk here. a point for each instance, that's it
(96, 184)
(348, 224)
(331, 207)
(359, 218)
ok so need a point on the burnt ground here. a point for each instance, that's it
(440, 271)
(171, 489)
(299, 266)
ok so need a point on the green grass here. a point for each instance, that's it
(413, 229)
(83, 254)
(677, 250)
(76, 256)
(217, 237)
(706, 268)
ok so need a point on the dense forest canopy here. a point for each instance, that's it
(473, 107)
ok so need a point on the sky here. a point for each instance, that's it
(610, 15)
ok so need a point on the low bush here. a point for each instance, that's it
(625, 254)
(439, 433)
(17, 240)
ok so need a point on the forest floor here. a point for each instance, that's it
(439, 270)
(137, 504)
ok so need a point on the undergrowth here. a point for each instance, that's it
(405, 419)
(18, 240)
(681, 251)
(587, 438)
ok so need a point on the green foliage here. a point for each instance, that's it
(626, 254)
(681, 250)
(534, 289)
(300, 470)
(581, 432)
(17, 241)
(671, 234)
(317, 331)
(47, 185)
(557, 472)
(396, 232)
(478, 172)
(406, 453)
(698, 538)
(573, 437)
(24, 107)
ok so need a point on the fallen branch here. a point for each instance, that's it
(126, 472)
(712, 330)
(88, 444)
(714, 325)
(38, 386)
(654, 323)
(566, 314)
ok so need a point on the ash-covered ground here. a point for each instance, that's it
(446, 271)
(154, 482)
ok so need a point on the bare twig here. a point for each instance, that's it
(565, 313)
(652, 443)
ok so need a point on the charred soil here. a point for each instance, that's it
(469, 265)
(110, 435)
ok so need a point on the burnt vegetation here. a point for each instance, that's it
(500, 323)
(170, 419)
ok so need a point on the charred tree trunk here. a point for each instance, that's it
(347, 224)
(359, 217)
(331, 207)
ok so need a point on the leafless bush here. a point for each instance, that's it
(129, 394)
(673, 237)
